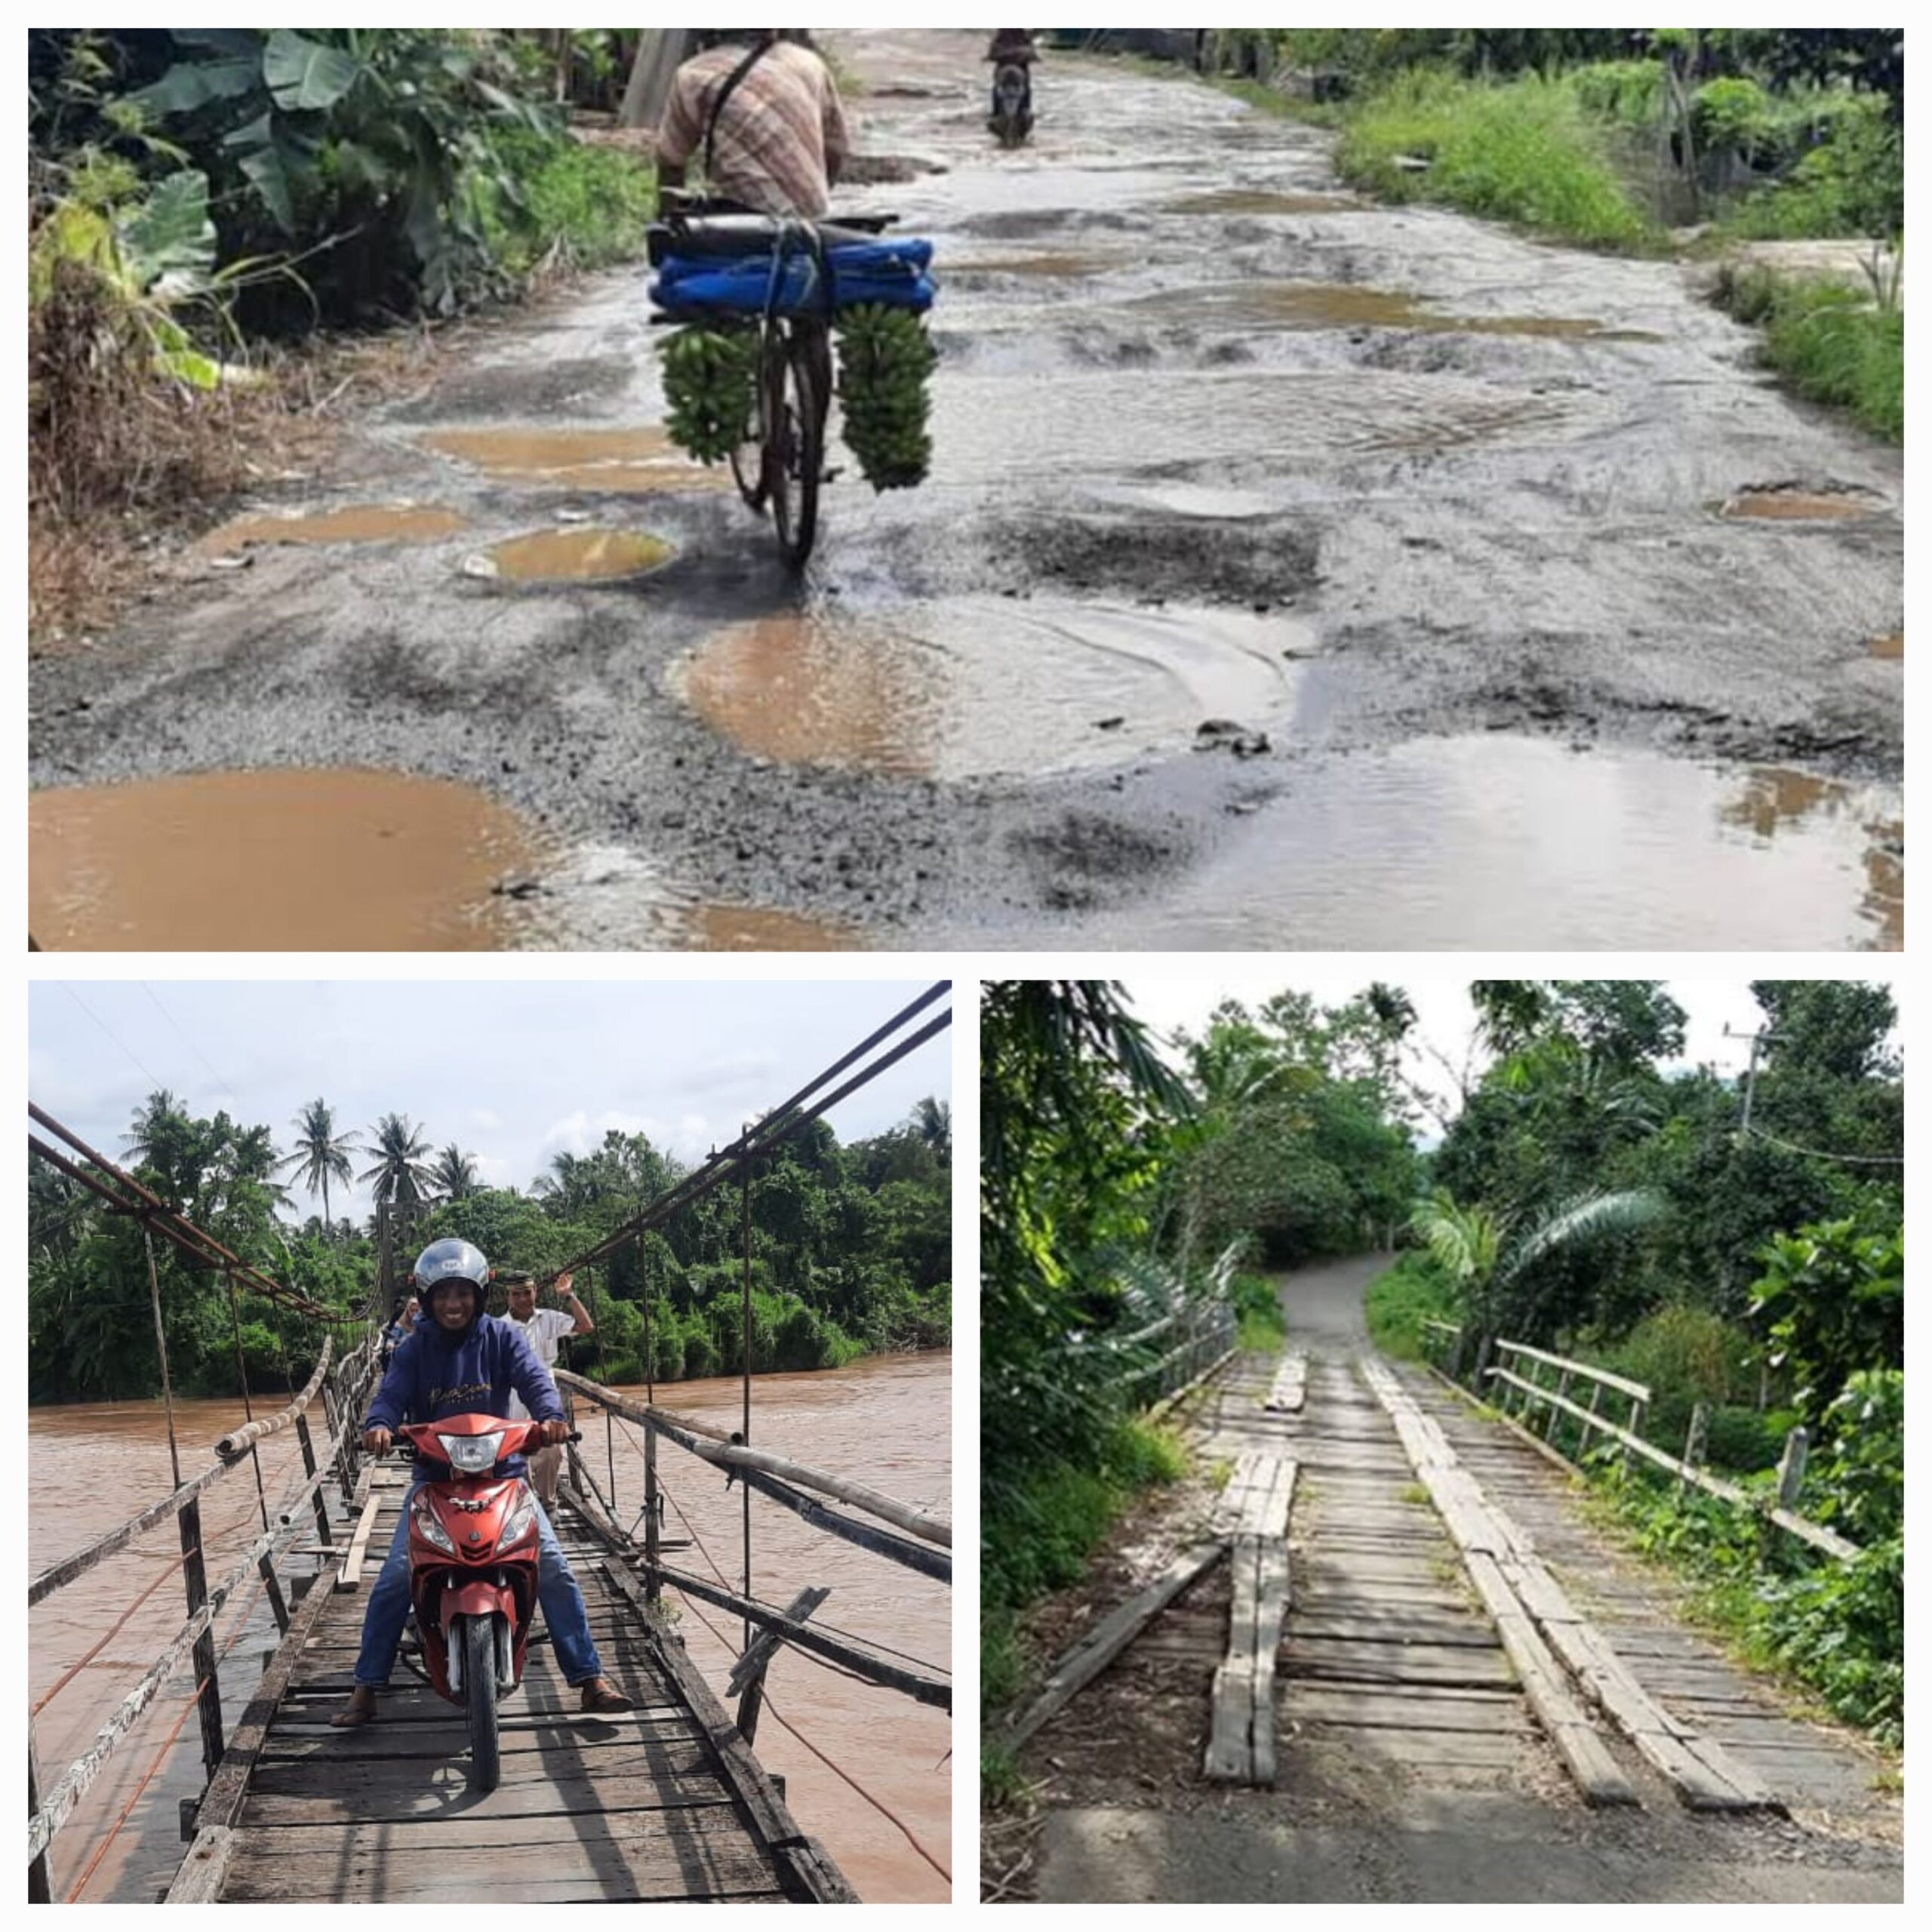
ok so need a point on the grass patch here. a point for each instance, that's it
(1414, 1492)
(1834, 1628)
(1258, 1304)
(1038, 1539)
(577, 206)
(1002, 1784)
(1523, 151)
(1400, 1300)
(1830, 341)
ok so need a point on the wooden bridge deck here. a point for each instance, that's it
(664, 1802)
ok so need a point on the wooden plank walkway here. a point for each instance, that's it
(1640, 1614)
(662, 1802)
(1258, 1502)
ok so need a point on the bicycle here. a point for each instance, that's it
(781, 463)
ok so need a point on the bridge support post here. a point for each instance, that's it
(40, 1890)
(1791, 1467)
(1694, 1439)
(208, 1701)
(748, 1673)
(653, 1585)
(302, 1436)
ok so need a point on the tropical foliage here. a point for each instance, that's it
(851, 1250)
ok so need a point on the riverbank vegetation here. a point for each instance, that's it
(219, 219)
(851, 1250)
(1639, 141)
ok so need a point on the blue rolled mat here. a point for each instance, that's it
(894, 274)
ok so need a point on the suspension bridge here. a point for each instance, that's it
(668, 1801)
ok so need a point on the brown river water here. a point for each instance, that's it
(886, 1421)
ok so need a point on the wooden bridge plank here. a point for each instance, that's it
(1108, 1638)
(409, 1792)
(1241, 1744)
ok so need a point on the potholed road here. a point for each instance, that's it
(1449, 534)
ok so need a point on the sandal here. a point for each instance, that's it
(600, 1695)
(361, 1709)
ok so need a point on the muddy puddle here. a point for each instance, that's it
(354, 523)
(1327, 305)
(1496, 842)
(977, 688)
(578, 555)
(755, 929)
(1786, 505)
(273, 861)
(1891, 648)
(1261, 200)
(632, 462)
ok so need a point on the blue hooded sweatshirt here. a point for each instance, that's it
(433, 1374)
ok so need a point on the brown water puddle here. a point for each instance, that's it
(272, 861)
(1892, 648)
(1775, 798)
(973, 687)
(355, 523)
(1258, 201)
(756, 929)
(579, 556)
(634, 462)
(1325, 305)
(1778, 505)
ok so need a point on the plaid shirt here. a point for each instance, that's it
(781, 138)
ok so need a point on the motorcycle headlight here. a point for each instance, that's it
(472, 1455)
(522, 1520)
(432, 1531)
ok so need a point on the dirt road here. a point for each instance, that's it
(1410, 1764)
(1450, 536)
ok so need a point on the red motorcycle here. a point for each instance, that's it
(473, 1569)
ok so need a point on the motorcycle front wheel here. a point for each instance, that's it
(479, 1684)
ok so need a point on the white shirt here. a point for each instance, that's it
(542, 1331)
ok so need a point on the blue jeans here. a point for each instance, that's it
(557, 1592)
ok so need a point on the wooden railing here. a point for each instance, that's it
(903, 1534)
(1513, 1367)
(342, 1389)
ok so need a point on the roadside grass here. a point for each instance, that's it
(1830, 341)
(1002, 1784)
(1258, 1303)
(1038, 1540)
(577, 206)
(1830, 1634)
(1523, 151)
(1401, 1299)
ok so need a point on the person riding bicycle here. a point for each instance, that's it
(459, 1361)
(763, 114)
(1014, 46)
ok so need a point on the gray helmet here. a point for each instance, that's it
(451, 1260)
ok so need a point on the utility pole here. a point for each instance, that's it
(1762, 1037)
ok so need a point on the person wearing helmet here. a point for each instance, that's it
(460, 1361)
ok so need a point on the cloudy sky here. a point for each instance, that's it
(1446, 1020)
(512, 1071)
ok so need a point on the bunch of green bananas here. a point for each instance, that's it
(884, 357)
(708, 375)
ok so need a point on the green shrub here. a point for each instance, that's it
(1257, 1302)
(1630, 92)
(1521, 151)
(1414, 1291)
(559, 201)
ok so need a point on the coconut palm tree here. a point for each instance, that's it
(320, 1154)
(932, 1121)
(454, 1173)
(402, 1175)
(1487, 1252)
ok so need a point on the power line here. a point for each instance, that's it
(221, 1085)
(1824, 1153)
(157, 1086)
